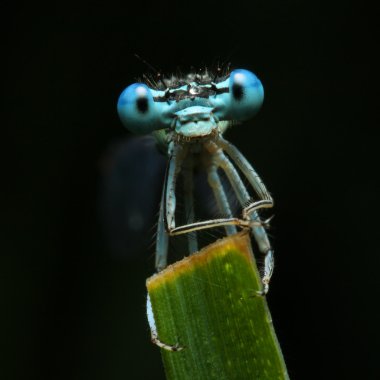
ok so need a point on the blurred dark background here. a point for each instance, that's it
(70, 309)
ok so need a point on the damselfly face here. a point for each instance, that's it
(192, 107)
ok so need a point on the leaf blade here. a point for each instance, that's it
(208, 303)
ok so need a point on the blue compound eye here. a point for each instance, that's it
(243, 98)
(137, 109)
(246, 95)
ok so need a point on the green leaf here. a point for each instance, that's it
(208, 303)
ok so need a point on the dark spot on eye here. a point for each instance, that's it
(237, 91)
(142, 105)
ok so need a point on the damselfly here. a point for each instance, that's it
(188, 115)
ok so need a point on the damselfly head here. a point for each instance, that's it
(192, 106)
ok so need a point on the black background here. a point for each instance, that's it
(71, 310)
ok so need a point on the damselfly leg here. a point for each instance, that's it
(181, 161)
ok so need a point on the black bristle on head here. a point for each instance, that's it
(178, 79)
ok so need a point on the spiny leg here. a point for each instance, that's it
(153, 330)
(174, 166)
(267, 251)
(258, 230)
(267, 201)
(176, 155)
(188, 183)
(212, 223)
(245, 167)
(162, 241)
(220, 195)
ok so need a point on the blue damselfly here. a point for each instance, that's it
(188, 115)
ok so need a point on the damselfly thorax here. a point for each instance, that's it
(188, 117)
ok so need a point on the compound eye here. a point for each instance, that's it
(137, 109)
(246, 94)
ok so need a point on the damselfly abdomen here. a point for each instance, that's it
(188, 116)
